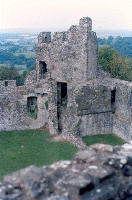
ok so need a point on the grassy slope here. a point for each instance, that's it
(31, 147)
(103, 139)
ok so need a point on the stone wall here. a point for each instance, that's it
(122, 121)
(72, 55)
(14, 111)
(100, 172)
(90, 103)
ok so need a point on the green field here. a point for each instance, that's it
(20, 149)
(21, 68)
(26, 54)
(4, 65)
(103, 139)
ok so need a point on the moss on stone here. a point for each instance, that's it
(9, 107)
(79, 122)
(74, 55)
(106, 102)
(47, 104)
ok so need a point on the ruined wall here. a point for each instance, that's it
(90, 103)
(88, 110)
(14, 111)
(72, 55)
(121, 107)
(12, 107)
(100, 172)
(122, 121)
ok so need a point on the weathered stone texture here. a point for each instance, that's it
(100, 172)
(73, 94)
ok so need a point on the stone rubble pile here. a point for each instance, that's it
(100, 172)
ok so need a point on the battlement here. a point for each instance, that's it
(67, 90)
(61, 36)
(7, 85)
(86, 22)
(44, 37)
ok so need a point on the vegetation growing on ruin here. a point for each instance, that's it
(47, 104)
(103, 139)
(33, 113)
(20, 149)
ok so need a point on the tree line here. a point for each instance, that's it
(121, 44)
(112, 62)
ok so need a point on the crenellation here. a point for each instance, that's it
(60, 37)
(68, 90)
(86, 22)
(44, 37)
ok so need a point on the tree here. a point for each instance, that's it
(8, 73)
(112, 62)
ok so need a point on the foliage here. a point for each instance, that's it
(33, 113)
(111, 61)
(103, 139)
(11, 73)
(47, 104)
(8, 73)
(79, 122)
(20, 149)
(121, 44)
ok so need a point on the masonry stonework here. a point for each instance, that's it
(68, 91)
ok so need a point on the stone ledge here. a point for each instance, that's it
(96, 173)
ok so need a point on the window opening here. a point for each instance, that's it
(131, 99)
(32, 106)
(113, 95)
(6, 83)
(43, 68)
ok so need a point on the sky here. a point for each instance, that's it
(61, 14)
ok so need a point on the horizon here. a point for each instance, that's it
(99, 32)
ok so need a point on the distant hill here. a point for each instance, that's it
(114, 33)
(100, 33)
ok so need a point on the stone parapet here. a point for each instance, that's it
(100, 172)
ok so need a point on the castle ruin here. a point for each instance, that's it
(68, 91)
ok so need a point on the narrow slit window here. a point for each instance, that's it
(113, 96)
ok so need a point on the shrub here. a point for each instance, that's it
(33, 113)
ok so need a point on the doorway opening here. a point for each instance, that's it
(61, 102)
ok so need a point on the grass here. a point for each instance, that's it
(26, 54)
(19, 149)
(103, 139)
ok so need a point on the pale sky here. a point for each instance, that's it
(60, 14)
